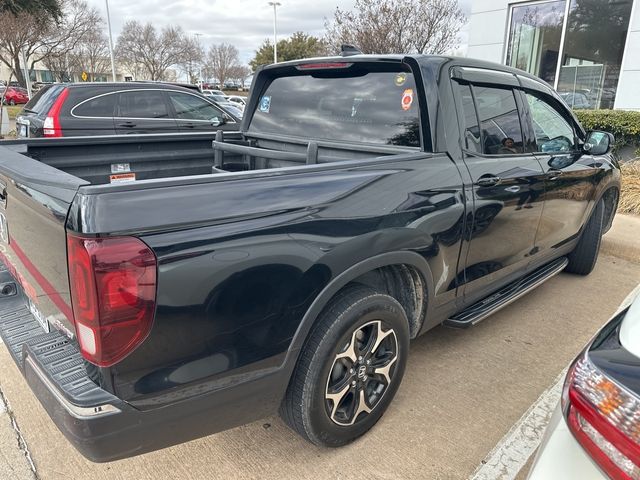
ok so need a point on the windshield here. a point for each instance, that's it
(364, 106)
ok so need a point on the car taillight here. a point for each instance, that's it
(605, 418)
(51, 127)
(113, 295)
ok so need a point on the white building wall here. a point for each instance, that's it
(628, 93)
(488, 29)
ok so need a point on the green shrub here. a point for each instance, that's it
(625, 125)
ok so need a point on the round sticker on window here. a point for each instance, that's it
(407, 99)
(400, 79)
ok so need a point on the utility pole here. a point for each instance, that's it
(27, 77)
(275, 5)
(198, 35)
(113, 63)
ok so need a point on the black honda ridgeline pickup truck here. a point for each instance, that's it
(160, 288)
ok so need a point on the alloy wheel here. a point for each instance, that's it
(361, 373)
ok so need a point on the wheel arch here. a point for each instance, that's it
(398, 266)
(610, 196)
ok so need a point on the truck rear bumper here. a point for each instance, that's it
(101, 426)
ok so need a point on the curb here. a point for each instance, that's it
(623, 240)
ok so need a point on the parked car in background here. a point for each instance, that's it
(577, 100)
(15, 96)
(237, 99)
(37, 86)
(595, 431)
(79, 109)
(209, 92)
(223, 102)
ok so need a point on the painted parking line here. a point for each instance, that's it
(513, 451)
(508, 457)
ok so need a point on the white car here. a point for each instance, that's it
(237, 99)
(210, 93)
(594, 433)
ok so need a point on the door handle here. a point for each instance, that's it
(554, 174)
(128, 125)
(487, 181)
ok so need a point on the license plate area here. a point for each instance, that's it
(37, 314)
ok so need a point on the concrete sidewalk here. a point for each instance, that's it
(623, 240)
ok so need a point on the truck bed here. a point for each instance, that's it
(162, 156)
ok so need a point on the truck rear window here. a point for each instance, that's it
(374, 107)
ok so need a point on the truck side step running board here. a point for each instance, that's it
(500, 299)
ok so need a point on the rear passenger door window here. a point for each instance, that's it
(499, 120)
(143, 111)
(142, 104)
(553, 133)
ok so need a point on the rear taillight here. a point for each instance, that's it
(51, 127)
(113, 294)
(605, 418)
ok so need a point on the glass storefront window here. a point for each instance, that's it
(595, 33)
(534, 38)
(592, 54)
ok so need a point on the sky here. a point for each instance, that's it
(243, 23)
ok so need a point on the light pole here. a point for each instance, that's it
(113, 63)
(198, 35)
(275, 5)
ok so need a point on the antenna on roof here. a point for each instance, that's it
(347, 50)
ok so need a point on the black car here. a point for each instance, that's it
(157, 288)
(80, 109)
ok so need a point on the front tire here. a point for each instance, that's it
(583, 258)
(350, 368)
(12, 102)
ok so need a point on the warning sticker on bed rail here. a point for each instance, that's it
(122, 177)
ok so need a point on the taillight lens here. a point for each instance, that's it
(113, 294)
(605, 418)
(51, 127)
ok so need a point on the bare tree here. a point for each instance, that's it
(92, 54)
(222, 60)
(240, 73)
(191, 61)
(398, 26)
(39, 36)
(149, 51)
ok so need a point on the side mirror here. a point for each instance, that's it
(218, 121)
(598, 143)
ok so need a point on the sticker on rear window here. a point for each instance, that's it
(265, 104)
(407, 99)
(401, 78)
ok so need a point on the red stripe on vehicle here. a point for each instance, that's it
(49, 289)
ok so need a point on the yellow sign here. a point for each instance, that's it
(84, 76)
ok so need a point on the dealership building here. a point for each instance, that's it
(588, 50)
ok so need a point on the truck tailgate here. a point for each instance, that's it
(34, 203)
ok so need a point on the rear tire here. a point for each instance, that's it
(350, 368)
(584, 256)
(12, 102)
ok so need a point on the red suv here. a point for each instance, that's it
(15, 95)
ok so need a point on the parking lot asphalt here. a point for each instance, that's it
(462, 392)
